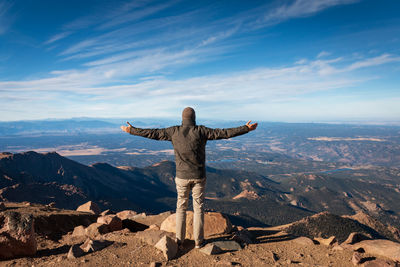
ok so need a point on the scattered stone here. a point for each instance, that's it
(243, 236)
(225, 263)
(106, 212)
(151, 237)
(126, 214)
(79, 231)
(91, 245)
(380, 263)
(2, 206)
(326, 241)
(381, 247)
(90, 207)
(229, 245)
(112, 221)
(354, 238)
(133, 226)
(337, 247)
(288, 261)
(17, 235)
(274, 257)
(96, 229)
(155, 264)
(168, 246)
(84, 260)
(74, 252)
(356, 258)
(215, 223)
(302, 240)
(210, 249)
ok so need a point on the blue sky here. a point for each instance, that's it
(295, 60)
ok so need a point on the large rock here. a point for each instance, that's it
(214, 224)
(354, 238)
(126, 214)
(79, 231)
(153, 219)
(17, 235)
(326, 241)
(91, 245)
(380, 247)
(210, 249)
(151, 237)
(112, 221)
(96, 229)
(305, 241)
(168, 246)
(74, 252)
(89, 206)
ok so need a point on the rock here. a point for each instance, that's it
(96, 229)
(133, 226)
(126, 214)
(354, 238)
(112, 221)
(210, 249)
(152, 219)
(168, 246)
(337, 247)
(2, 206)
(214, 224)
(106, 212)
(356, 258)
(154, 227)
(380, 247)
(51, 205)
(74, 252)
(229, 245)
(79, 231)
(274, 257)
(91, 245)
(89, 206)
(326, 241)
(380, 263)
(305, 241)
(243, 236)
(151, 237)
(17, 235)
(155, 264)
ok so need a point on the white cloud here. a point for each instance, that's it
(58, 37)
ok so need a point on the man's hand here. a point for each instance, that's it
(127, 128)
(251, 126)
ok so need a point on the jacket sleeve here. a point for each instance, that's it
(214, 134)
(156, 134)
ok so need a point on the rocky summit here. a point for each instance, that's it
(87, 239)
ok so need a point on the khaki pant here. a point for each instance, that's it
(183, 188)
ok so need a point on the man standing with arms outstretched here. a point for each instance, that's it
(189, 142)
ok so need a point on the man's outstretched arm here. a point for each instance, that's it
(214, 134)
(156, 134)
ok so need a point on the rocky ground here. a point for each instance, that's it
(267, 247)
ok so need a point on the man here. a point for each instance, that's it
(189, 142)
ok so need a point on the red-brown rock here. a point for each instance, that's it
(17, 235)
(126, 214)
(96, 229)
(380, 247)
(215, 223)
(89, 206)
(112, 221)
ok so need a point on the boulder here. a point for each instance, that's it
(168, 246)
(326, 241)
(90, 207)
(79, 231)
(380, 247)
(210, 249)
(96, 229)
(305, 241)
(91, 245)
(228, 245)
(151, 237)
(74, 252)
(106, 212)
(215, 223)
(126, 214)
(17, 235)
(243, 236)
(133, 226)
(356, 258)
(112, 221)
(152, 219)
(354, 238)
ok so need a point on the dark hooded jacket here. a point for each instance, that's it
(189, 141)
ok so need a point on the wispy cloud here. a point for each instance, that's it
(5, 18)
(58, 37)
(296, 9)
